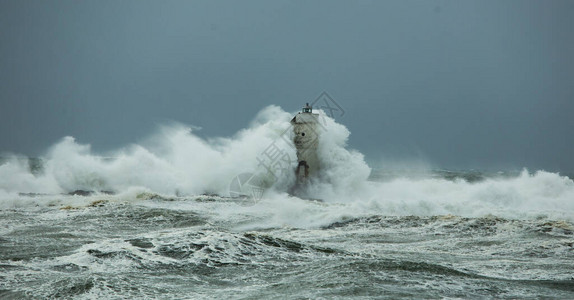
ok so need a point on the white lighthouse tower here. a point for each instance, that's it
(306, 142)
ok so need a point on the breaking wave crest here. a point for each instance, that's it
(176, 162)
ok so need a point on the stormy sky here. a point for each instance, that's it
(457, 84)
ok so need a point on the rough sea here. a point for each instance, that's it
(160, 220)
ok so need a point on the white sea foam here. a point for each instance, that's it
(541, 194)
(175, 161)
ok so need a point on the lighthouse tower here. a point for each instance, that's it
(306, 142)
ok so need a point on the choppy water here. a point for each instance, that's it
(143, 245)
(144, 222)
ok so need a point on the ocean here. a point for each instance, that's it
(164, 219)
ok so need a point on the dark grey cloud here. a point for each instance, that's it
(483, 84)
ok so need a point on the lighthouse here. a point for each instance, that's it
(306, 140)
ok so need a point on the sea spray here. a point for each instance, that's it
(168, 230)
(174, 161)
